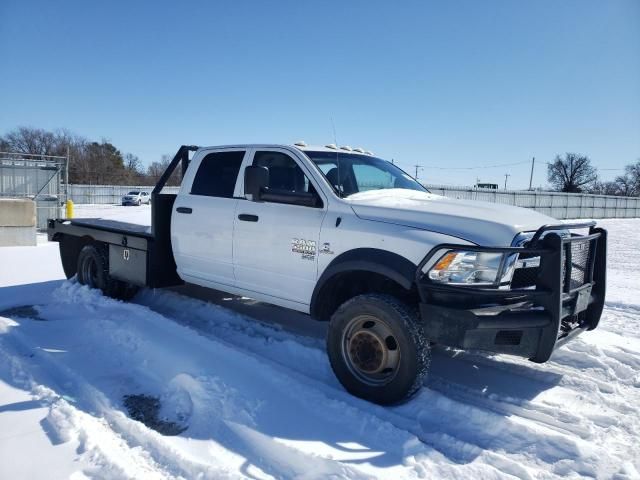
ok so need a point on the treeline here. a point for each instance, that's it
(102, 163)
(574, 173)
(90, 161)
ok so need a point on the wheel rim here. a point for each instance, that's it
(90, 272)
(370, 350)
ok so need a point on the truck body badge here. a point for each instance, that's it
(326, 248)
(126, 254)
(306, 248)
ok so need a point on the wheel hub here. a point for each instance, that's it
(367, 352)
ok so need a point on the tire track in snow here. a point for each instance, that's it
(106, 311)
(304, 360)
(115, 457)
(237, 330)
(333, 398)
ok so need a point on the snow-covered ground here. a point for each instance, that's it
(249, 391)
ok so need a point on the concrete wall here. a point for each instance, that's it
(17, 222)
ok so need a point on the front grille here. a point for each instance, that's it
(576, 266)
(508, 337)
(525, 277)
(577, 260)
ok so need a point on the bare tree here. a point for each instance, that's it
(606, 188)
(624, 186)
(132, 163)
(89, 162)
(156, 169)
(632, 178)
(31, 140)
(572, 173)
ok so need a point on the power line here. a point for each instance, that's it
(476, 168)
(480, 167)
(598, 168)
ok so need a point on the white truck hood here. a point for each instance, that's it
(483, 223)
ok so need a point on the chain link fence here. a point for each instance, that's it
(38, 177)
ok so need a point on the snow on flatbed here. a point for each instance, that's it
(251, 391)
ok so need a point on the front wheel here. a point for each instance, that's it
(377, 348)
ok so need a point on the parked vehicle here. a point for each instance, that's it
(351, 239)
(136, 197)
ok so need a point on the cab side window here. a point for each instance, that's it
(284, 172)
(217, 174)
(285, 175)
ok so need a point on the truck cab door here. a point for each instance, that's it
(275, 244)
(203, 217)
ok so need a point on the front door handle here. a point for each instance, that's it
(245, 217)
(184, 210)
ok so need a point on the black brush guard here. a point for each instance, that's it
(565, 298)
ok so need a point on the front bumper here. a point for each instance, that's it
(564, 299)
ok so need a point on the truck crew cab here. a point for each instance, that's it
(351, 239)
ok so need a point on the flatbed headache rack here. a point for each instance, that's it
(137, 254)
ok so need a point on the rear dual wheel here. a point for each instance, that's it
(377, 348)
(93, 271)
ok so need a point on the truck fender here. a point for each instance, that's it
(391, 265)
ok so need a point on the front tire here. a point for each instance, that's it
(377, 348)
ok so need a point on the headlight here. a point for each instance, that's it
(470, 268)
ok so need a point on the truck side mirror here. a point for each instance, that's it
(255, 180)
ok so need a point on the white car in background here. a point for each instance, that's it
(136, 197)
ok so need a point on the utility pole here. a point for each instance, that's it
(506, 177)
(533, 162)
(417, 167)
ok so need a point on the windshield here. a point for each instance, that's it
(361, 173)
(133, 193)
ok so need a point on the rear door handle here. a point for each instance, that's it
(245, 217)
(184, 210)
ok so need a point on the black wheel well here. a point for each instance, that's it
(347, 284)
(70, 247)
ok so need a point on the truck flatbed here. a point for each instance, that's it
(115, 226)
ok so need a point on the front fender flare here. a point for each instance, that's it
(391, 265)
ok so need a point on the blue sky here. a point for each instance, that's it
(443, 84)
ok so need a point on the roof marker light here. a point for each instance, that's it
(358, 149)
(301, 143)
(332, 146)
(347, 148)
